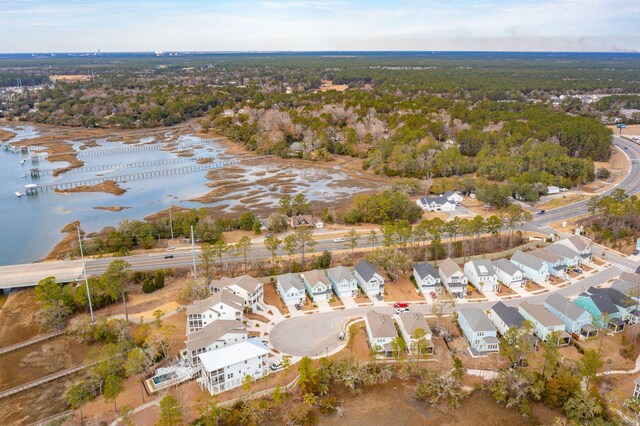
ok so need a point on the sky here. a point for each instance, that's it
(315, 25)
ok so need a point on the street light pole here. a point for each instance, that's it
(86, 280)
(171, 224)
(193, 254)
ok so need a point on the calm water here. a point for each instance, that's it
(30, 226)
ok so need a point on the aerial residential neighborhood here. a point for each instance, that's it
(319, 213)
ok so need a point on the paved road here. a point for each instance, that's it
(318, 333)
(631, 184)
(21, 275)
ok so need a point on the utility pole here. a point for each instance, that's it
(86, 280)
(171, 224)
(193, 254)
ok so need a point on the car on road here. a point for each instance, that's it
(401, 310)
(339, 240)
(342, 335)
(626, 147)
(401, 305)
(171, 248)
(540, 212)
(169, 256)
(298, 307)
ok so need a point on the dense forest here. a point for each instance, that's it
(424, 116)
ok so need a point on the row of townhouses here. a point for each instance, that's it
(382, 330)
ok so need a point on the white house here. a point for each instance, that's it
(636, 387)
(318, 285)
(571, 258)
(505, 317)
(215, 335)
(222, 305)
(453, 196)
(343, 281)
(482, 275)
(226, 368)
(409, 322)
(478, 330)
(245, 286)
(509, 274)
(380, 331)
(369, 279)
(534, 268)
(291, 289)
(453, 278)
(578, 244)
(427, 278)
(556, 265)
(436, 204)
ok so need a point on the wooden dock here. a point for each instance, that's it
(133, 176)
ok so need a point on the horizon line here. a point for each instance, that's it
(227, 52)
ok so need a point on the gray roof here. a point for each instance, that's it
(603, 302)
(448, 267)
(288, 281)
(381, 325)
(624, 286)
(565, 306)
(316, 276)
(527, 260)
(629, 277)
(438, 200)
(563, 251)
(425, 270)
(412, 321)
(577, 243)
(508, 314)
(506, 266)
(224, 296)
(540, 314)
(365, 270)
(340, 273)
(546, 255)
(616, 296)
(448, 194)
(245, 282)
(478, 264)
(476, 319)
(212, 332)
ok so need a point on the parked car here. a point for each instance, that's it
(342, 335)
(378, 297)
(433, 295)
(401, 310)
(401, 305)
(339, 240)
(276, 365)
(171, 248)
(168, 256)
(541, 212)
(577, 270)
(298, 307)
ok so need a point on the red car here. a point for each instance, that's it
(400, 305)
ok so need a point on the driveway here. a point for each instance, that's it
(323, 305)
(312, 335)
(349, 302)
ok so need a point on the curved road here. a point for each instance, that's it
(316, 334)
(631, 184)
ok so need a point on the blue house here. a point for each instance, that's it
(478, 330)
(556, 265)
(600, 305)
(576, 319)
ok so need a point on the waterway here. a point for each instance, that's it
(30, 225)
